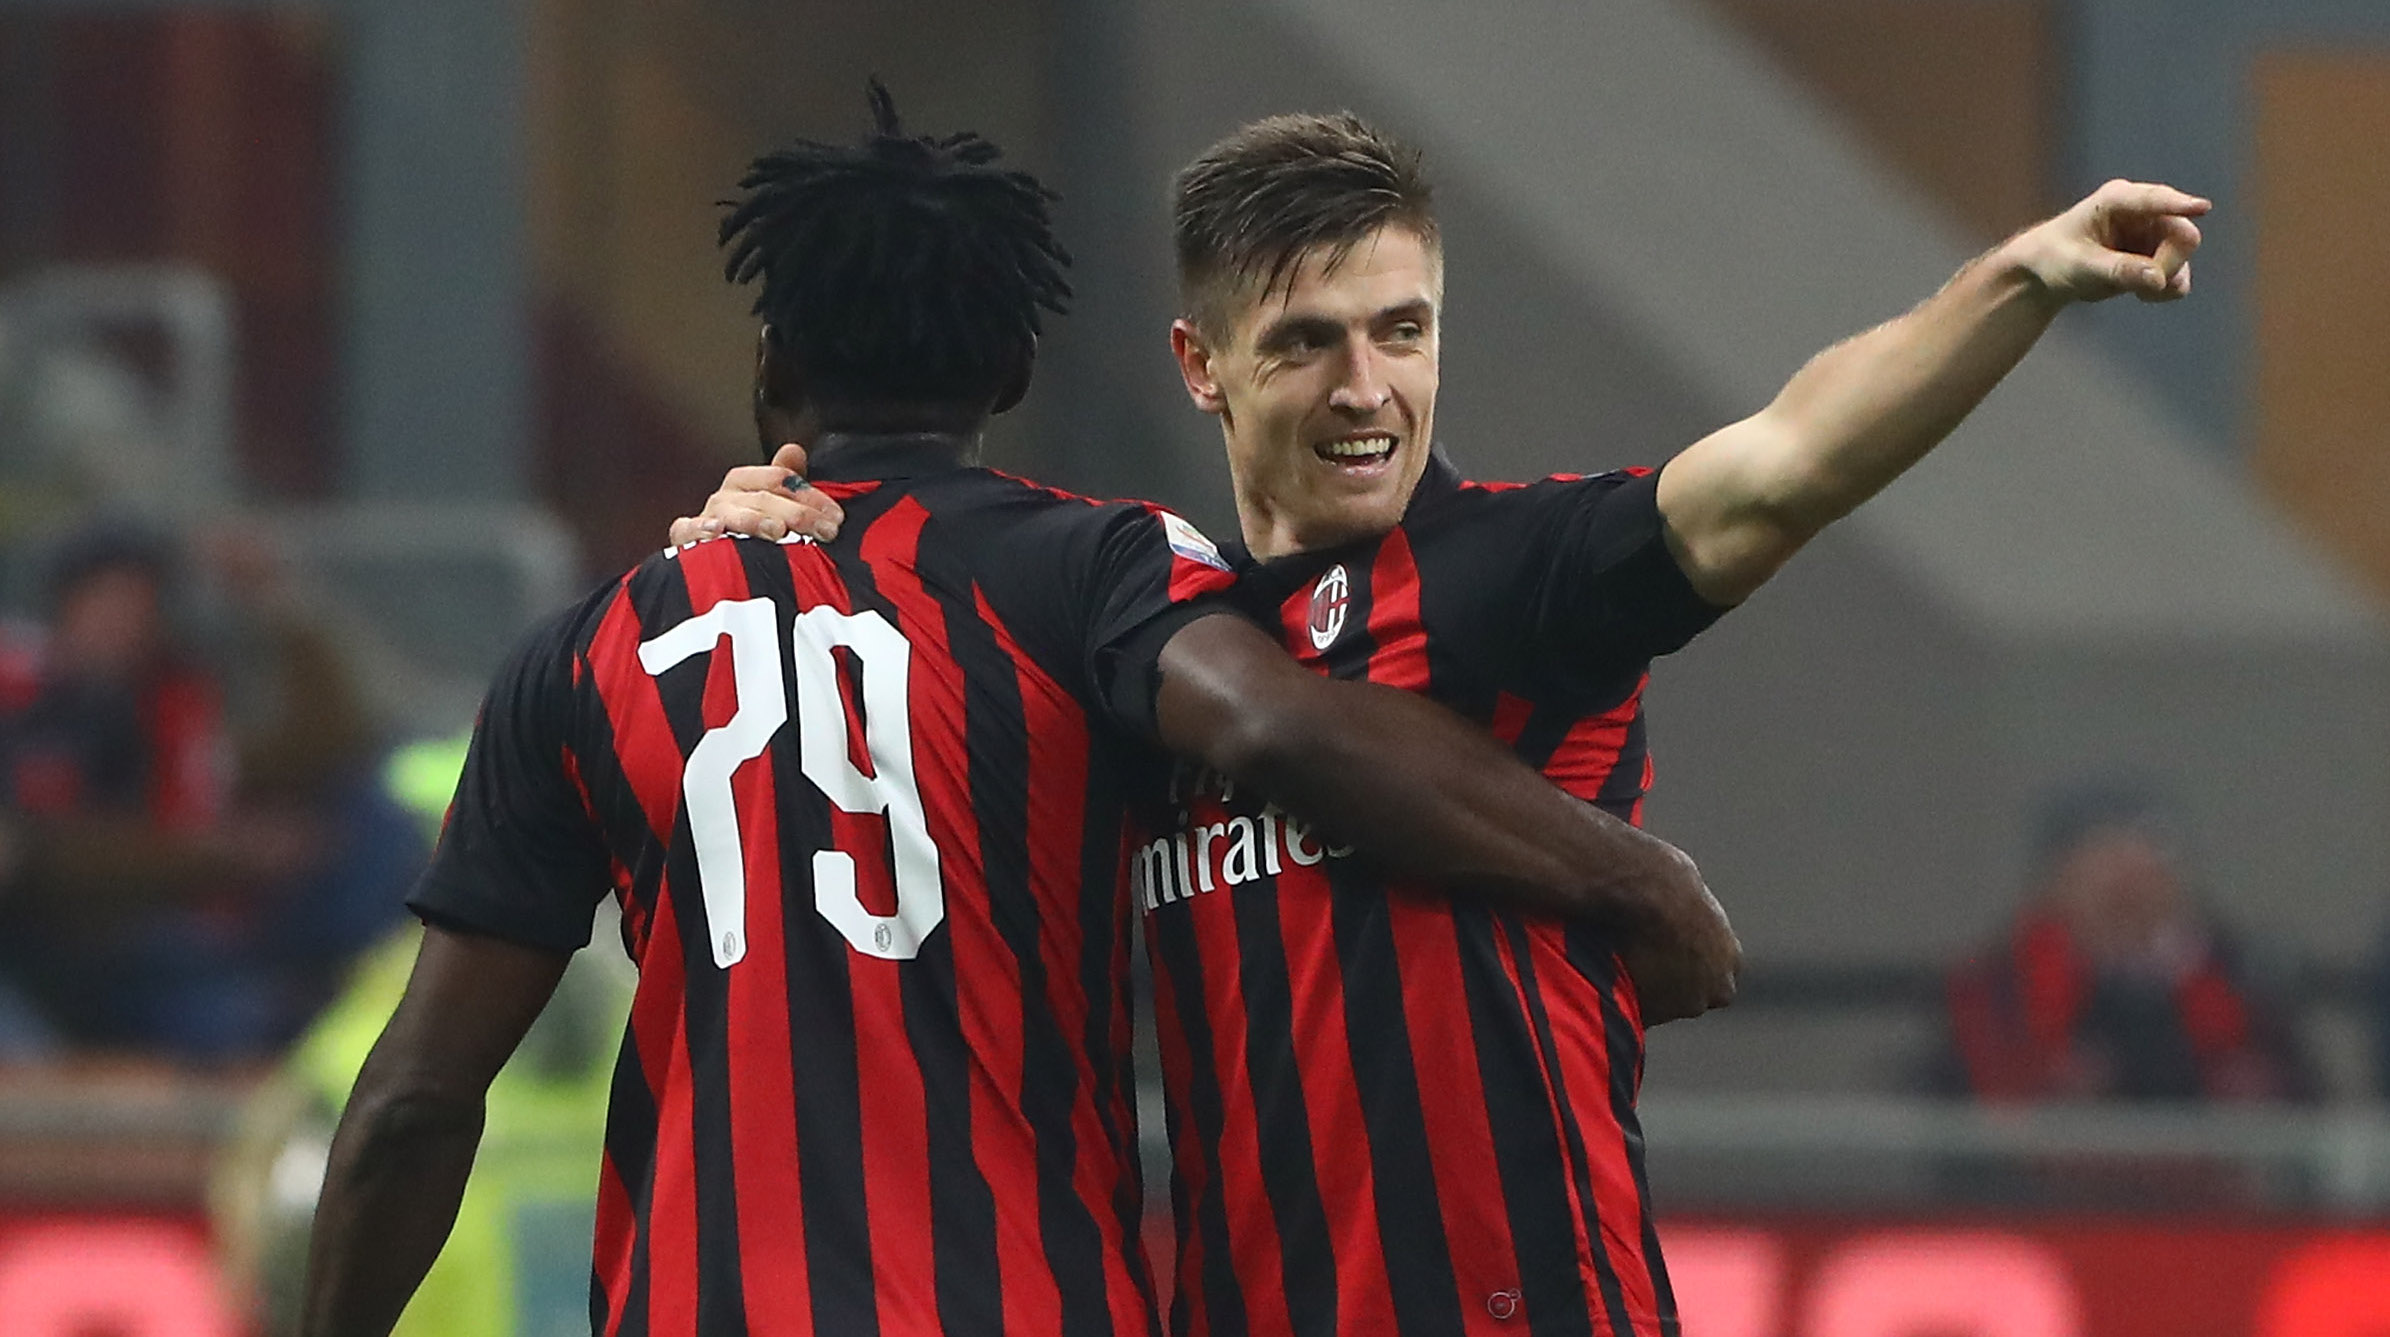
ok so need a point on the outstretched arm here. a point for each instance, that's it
(1418, 787)
(406, 1141)
(1740, 501)
(1408, 781)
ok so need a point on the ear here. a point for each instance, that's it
(778, 382)
(779, 392)
(1018, 385)
(1195, 366)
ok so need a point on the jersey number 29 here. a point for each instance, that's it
(885, 658)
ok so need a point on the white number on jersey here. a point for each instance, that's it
(885, 659)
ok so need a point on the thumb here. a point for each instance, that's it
(791, 457)
(2139, 274)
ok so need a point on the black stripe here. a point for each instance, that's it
(997, 735)
(1104, 917)
(1289, 1173)
(1223, 1299)
(631, 1145)
(1526, 1145)
(1624, 784)
(721, 1294)
(1410, 1223)
(962, 1208)
(1546, 729)
(821, 1018)
(721, 1298)
(1579, 1167)
(1594, 957)
(631, 1118)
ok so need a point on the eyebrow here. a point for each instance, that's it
(1286, 329)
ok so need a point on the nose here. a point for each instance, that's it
(1363, 390)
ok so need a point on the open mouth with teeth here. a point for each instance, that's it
(1357, 453)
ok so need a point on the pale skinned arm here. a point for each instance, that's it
(1351, 756)
(1739, 502)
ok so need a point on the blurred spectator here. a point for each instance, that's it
(2381, 1018)
(146, 902)
(2114, 983)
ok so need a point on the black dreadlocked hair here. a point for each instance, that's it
(903, 268)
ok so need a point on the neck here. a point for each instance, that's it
(1267, 534)
(833, 442)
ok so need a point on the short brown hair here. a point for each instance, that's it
(1254, 204)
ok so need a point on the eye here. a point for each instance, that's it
(1406, 332)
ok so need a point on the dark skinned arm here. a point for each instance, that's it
(406, 1141)
(1420, 789)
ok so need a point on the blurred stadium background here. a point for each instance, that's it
(385, 326)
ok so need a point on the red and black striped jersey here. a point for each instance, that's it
(862, 806)
(1391, 1113)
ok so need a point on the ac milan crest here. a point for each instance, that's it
(1329, 599)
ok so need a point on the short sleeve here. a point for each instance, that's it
(1610, 585)
(1153, 574)
(520, 858)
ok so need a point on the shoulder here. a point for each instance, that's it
(1043, 510)
(1552, 489)
(1621, 505)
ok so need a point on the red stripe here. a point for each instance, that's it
(643, 739)
(1340, 1152)
(659, 1019)
(1252, 1228)
(1400, 659)
(1511, 714)
(763, 1118)
(1443, 1043)
(987, 977)
(1190, 579)
(895, 1118)
(617, 1233)
(1574, 1005)
(1589, 751)
(1576, 1204)
(1058, 749)
(651, 763)
(1474, 486)
(1460, 1138)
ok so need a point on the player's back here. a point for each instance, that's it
(862, 806)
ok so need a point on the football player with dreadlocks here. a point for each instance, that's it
(862, 803)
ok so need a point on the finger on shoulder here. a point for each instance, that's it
(752, 521)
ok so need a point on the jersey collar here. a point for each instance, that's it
(1280, 576)
(855, 457)
(1437, 481)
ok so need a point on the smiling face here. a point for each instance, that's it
(1325, 387)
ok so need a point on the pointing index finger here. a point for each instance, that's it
(2158, 198)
